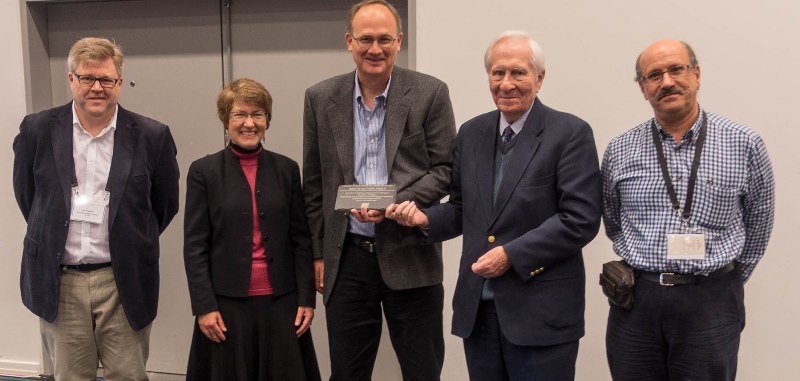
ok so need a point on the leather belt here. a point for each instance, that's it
(673, 279)
(363, 242)
(86, 267)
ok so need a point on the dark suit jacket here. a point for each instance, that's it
(547, 209)
(420, 132)
(218, 226)
(143, 181)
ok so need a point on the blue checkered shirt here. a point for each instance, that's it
(734, 199)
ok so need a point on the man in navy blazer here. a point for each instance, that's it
(97, 185)
(526, 197)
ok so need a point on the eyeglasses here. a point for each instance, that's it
(88, 80)
(655, 77)
(365, 42)
(257, 116)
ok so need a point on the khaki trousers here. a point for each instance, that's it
(91, 326)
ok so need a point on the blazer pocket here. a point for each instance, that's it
(413, 138)
(537, 182)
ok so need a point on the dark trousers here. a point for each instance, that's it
(354, 319)
(491, 357)
(688, 332)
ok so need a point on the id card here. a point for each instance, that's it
(86, 209)
(686, 246)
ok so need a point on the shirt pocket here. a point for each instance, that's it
(716, 204)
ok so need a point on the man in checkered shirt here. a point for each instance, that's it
(693, 227)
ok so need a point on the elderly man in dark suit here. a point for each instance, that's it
(378, 125)
(97, 185)
(526, 196)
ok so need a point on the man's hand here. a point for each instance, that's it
(319, 273)
(303, 319)
(365, 215)
(492, 264)
(212, 326)
(407, 214)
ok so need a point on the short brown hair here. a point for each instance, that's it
(356, 7)
(95, 50)
(244, 90)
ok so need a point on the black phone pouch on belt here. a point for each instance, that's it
(617, 280)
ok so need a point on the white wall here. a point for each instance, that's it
(748, 54)
(19, 329)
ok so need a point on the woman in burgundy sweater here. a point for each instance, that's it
(247, 252)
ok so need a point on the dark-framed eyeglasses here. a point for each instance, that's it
(655, 77)
(365, 42)
(257, 116)
(88, 80)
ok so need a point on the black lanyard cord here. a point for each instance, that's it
(673, 196)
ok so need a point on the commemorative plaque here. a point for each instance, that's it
(371, 196)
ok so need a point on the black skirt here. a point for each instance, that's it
(260, 343)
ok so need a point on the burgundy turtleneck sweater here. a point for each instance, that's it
(259, 276)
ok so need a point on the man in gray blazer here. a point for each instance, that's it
(378, 125)
(97, 185)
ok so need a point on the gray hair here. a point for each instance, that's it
(537, 56)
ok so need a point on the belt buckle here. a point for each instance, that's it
(370, 246)
(661, 279)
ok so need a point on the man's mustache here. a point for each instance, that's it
(669, 91)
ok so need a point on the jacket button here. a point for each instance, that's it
(66, 223)
(270, 260)
(265, 238)
(491, 239)
(58, 255)
(533, 274)
(259, 192)
(262, 215)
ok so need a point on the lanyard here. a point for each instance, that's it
(676, 206)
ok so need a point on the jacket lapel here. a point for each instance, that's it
(126, 137)
(524, 149)
(484, 164)
(340, 115)
(61, 132)
(398, 103)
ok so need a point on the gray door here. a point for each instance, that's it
(172, 73)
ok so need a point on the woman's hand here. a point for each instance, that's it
(303, 319)
(213, 327)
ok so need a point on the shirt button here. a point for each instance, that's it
(491, 239)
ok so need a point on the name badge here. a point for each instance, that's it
(84, 209)
(686, 246)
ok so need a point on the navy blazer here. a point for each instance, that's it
(218, 229)
(143, 182)
(548, 207)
